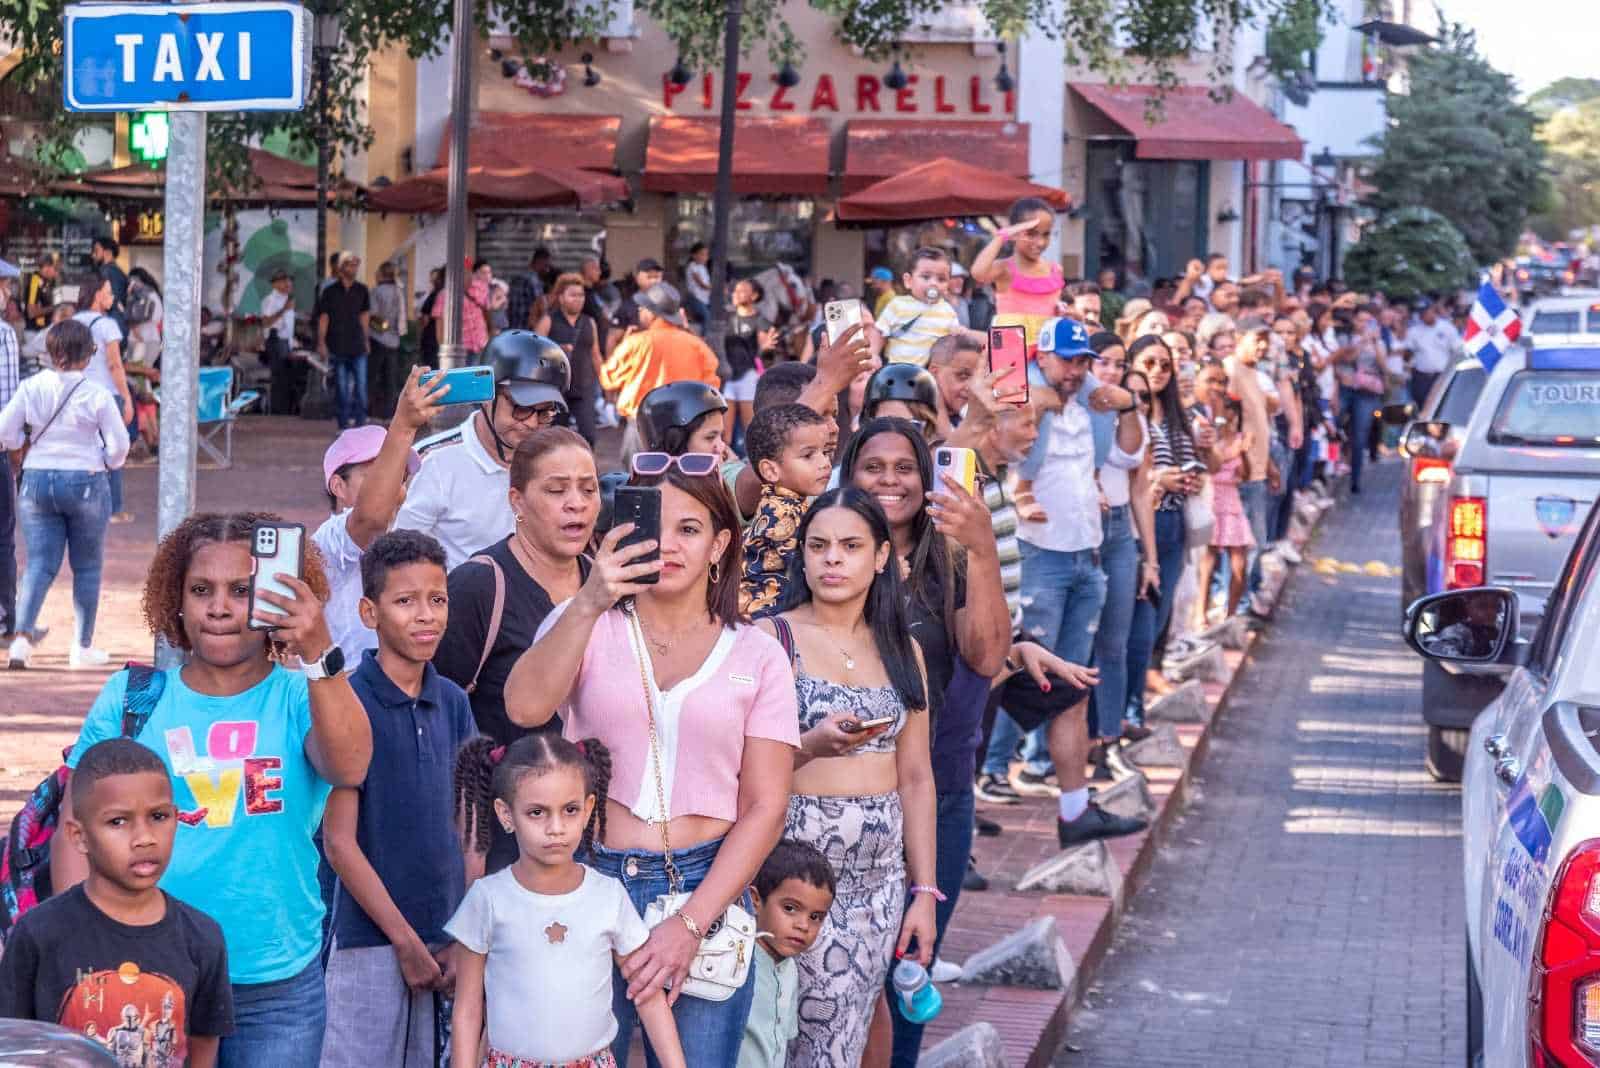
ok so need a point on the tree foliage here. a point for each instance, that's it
(1571, 136)
(1460, 144)
(1115, 37)
(1409, 252)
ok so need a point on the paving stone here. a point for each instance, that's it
(1231, 633)
(1161, 750)
(1131, 798)
(1185, 704)
(1034, 956)
(974, 1046)
(1087, 869)
(1208, 665)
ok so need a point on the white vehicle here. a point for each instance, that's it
(1570, 319)
(1530, 816)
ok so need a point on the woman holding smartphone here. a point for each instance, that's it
(863, 784)
(697, 708)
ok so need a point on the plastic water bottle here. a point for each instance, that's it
(920, 1000)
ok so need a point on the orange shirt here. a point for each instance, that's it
(653, 357)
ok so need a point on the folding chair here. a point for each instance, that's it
(217, 413)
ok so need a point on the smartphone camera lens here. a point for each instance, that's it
(943, 457)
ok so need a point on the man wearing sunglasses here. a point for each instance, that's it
(461, 493)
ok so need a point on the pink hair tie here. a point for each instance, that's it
(583, 749)
(497, 754)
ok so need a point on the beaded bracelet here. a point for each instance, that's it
(932, 891)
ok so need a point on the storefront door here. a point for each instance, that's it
(1146, 218)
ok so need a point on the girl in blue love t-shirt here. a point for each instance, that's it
(253, 749)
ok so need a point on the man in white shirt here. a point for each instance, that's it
(1435, 345)
(388, 321)
(277, 315)
(461, 495)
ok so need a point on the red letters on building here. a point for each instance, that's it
(906, 99)
(780, 97)
(976, 90)
(940, 104)
(870, 96)
(739, 102)
(825, 96)
(705, 92)
(669, 91)
(867, 92)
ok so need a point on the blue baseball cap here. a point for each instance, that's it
(1064, 338)
(881, 274)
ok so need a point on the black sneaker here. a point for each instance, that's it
(974, 879)
(1032, 784)
(995, 790)
(1135, 732)
(1095, 822)
(985, 828)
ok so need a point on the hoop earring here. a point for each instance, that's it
(715, 573)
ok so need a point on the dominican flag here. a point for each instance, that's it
(1491, 327)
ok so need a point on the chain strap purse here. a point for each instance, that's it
(722, 963)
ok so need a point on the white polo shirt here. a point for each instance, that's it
(460, 495)
(1433, 348)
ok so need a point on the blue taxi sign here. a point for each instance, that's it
(248, 55)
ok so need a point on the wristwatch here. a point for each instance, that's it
(326, 666)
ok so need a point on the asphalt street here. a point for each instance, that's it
(1307, 909)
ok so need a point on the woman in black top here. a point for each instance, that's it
(555, 496)
(569, 327)
(429, 319)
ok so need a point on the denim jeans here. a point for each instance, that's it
(1253, 496)
(1119, 556)
(955, 812)
(1360, 408)
(8, 545)
(710, 1031)
(350, 390)
(63, 513)
(1062, 596)
(1150, 619)
(277, 1024)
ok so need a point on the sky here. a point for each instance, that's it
(1535, 41)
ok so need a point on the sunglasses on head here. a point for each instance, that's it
(693, 464)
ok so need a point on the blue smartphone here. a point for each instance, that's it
(466, 385)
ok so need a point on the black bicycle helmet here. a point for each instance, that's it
(901, 382)
(530, 367)
(676, 405)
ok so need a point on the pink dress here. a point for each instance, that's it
(1233, 528)
(474, 325)
(1029, 300)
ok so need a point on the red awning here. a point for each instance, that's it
(278, 181)
(780, 156)
(544, 186)
(876, 149)
(941, 188)
(512, 138)
(1193, 126)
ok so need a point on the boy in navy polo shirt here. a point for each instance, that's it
(392, 840)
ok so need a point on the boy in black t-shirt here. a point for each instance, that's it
(115, 958)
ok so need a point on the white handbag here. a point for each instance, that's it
(722, 963)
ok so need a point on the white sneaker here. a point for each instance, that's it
(87, 656)
(944, 972)
(1287, 550)
(21, 653)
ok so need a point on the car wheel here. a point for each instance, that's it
(1474, 1014)
(1447, 752)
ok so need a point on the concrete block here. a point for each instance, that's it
(1084, 869)
(1130, 798)
(1186, 704)
(1231, 633)
(1161, 750)
(1034, 956)
(1207, 665)
(974, 1046)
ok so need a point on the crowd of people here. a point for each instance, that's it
(533, 758)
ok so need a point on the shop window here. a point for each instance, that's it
(508, 240)
(762, 231)
(1146, 218)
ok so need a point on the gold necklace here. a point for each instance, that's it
(661, 648)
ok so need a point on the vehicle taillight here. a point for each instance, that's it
(1466, 546)
(1430, 470)
(1564, 979)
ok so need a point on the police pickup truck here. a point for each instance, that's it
(1530, 814)
(1525, 471)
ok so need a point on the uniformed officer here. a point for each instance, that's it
(461, 494)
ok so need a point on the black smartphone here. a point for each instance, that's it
(641, 506)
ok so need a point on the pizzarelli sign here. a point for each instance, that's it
(935, 94)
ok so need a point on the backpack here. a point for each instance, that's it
(25, 852)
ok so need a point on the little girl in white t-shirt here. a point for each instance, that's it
(538, 939)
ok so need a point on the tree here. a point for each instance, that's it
(1460, 144)
(1407, 253)
(1154, 35)
(1571, 135)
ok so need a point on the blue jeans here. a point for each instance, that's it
(952, 846)
(710, 1031)
(350, 390)
(1150, 619)
(1119, 556)
(63, 513)
(1062, 595)
(1253, 496)
(1361, 407)
(8, 546)
(116, 475)
(277, 1024)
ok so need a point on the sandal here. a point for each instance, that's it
(1029, 509)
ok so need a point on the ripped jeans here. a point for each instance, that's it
(63, 514)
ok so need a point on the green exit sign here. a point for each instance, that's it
(148, 134)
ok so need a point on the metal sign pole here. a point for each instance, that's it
(464, 39)
(181, 265)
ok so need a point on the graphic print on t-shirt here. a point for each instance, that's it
(228, 767)
(137, 1015)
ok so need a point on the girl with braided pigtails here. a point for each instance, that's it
(546, 930)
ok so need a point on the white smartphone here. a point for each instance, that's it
(276, 550)
(839, 315)
(960, 464)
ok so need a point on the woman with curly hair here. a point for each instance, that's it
(254, 745)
